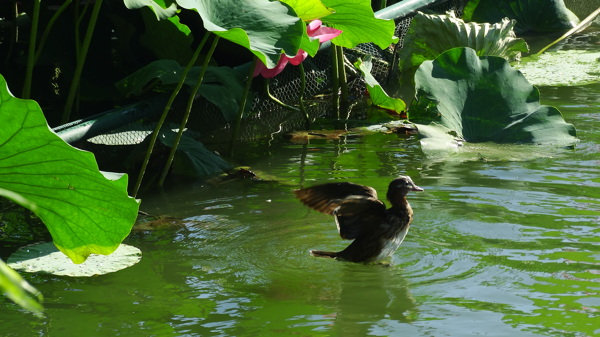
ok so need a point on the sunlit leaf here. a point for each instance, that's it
(379, 97)
(84, 211)
(430, 35)
(308, 10)
(359, 24)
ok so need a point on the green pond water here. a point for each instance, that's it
(497, 248)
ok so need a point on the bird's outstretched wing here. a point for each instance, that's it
(327, 197)
(355, 207)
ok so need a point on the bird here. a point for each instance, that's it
(360, 216)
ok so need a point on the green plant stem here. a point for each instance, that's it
(163, 117)
(188, 110)
(343, 80)
(48, 28)
(238, 122)
(572, 30)
(382, 4)
(80, 62)
(31, 51)
(335, 82)
(301, 96)
(275, 99)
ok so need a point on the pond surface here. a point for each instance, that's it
(497, 248)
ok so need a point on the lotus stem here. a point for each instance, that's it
(80, 62)
(163, 117)
(48, 28)
(301, 96)
(572, 30)
(238, 122)
(335, 82)
(31, 51)
(277, 100)
(188, 110)
(343, 80)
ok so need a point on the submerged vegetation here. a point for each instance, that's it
(121, 52)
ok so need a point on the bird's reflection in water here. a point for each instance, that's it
(372, 297)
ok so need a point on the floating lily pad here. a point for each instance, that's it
(46, 258)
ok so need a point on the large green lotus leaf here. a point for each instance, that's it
(162, 9)
(221, 86)
(355, 18)
(532, 15)
(431, 35)
(550, 68)
(379, 97)
(84, 211)
(266, 28)
(484, 99)
(18, 290)
(308, 10)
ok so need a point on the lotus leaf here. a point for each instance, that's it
(265, 28)
(483, 98)
(359, 24)
(379, 97)
(221, 86)
(84, 211)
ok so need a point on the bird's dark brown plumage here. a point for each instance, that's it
(360, 216)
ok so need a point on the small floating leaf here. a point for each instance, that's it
(45, 258)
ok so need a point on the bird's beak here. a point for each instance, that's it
(416, 188)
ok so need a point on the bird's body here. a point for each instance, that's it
(360, 216)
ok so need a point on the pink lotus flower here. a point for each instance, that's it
(315, 30)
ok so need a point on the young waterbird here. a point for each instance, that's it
(377, 232)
